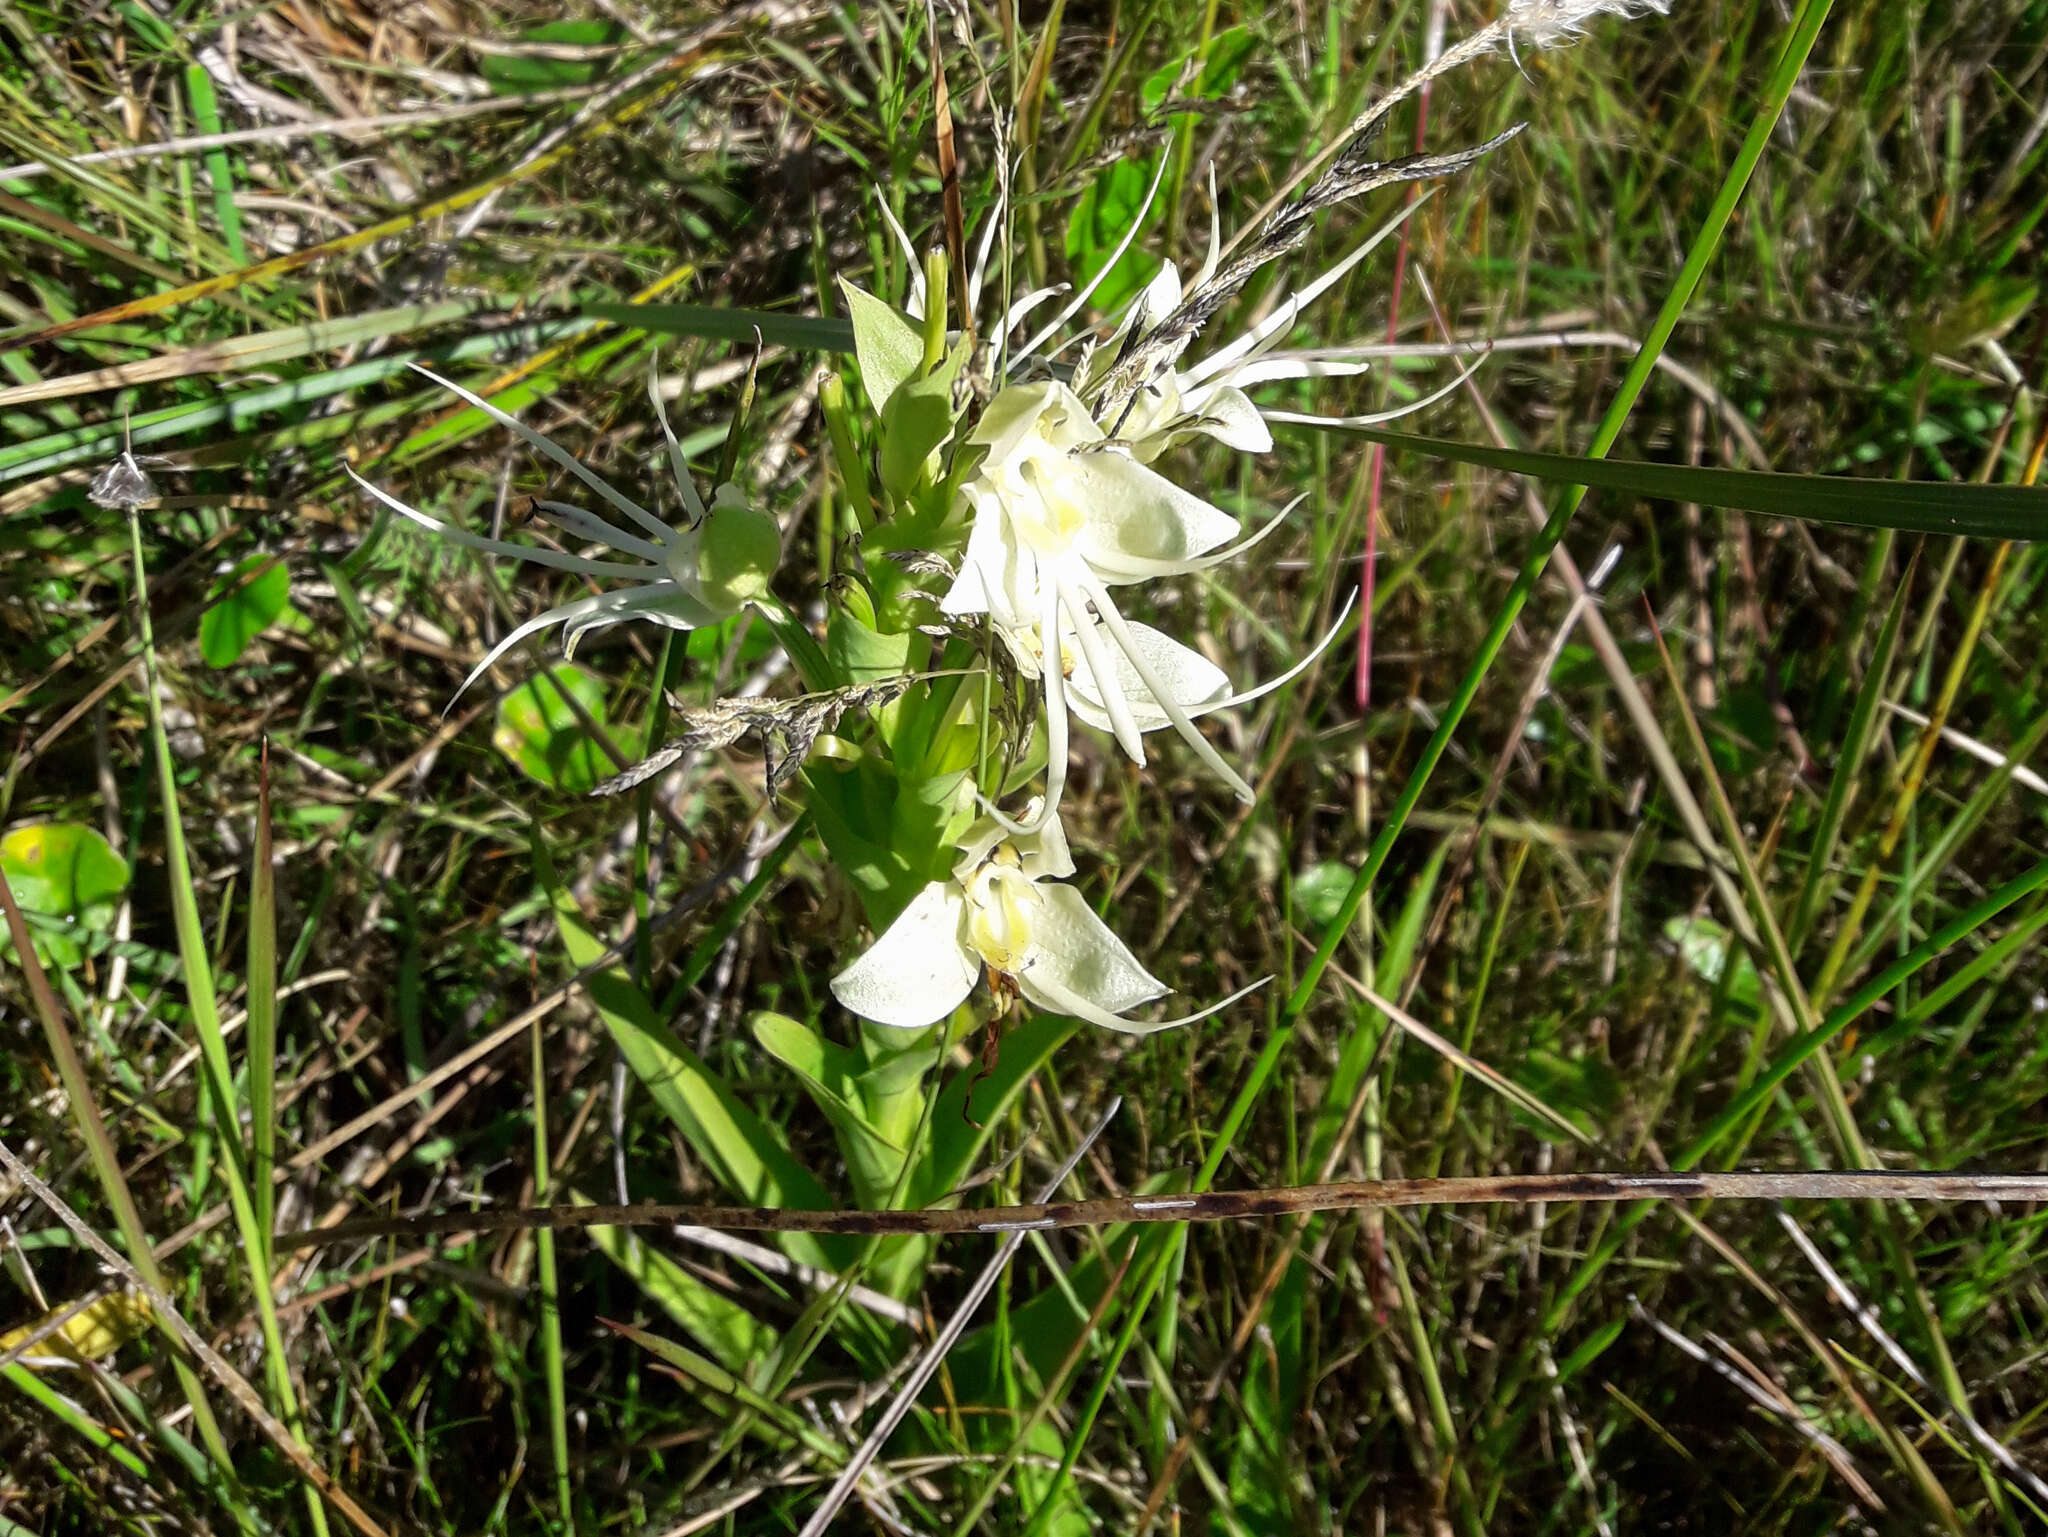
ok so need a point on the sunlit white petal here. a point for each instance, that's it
(920, 970)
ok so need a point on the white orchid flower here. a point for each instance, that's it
(1157, 679)
(682, 576)
(1060, 516)
(1004, 911)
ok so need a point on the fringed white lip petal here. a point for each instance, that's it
(560, 455)
(588, 525)
(1140, 524)
(1376, 417)
(555, 559)
(1183, 723)
(1277, 323)
(1049, 995)
(918, 971)
(1075, 951)
(1073, 307)
(1122, 723)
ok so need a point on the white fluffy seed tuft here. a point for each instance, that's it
(1555, 23)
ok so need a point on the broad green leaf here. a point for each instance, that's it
(851, 804)
(889, 347)
(741, 1150)
(510, 74)
(1913, 506)
(892, 1084)
(65, 872)
(246, 602)
(733, 1335)
(1319, 890)
(1099, 222)
(539, 729)
(829, 1074)
(1263, 1468)
(1706, 947)
(918, 418)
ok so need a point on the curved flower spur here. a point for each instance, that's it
(683, 576)
(1005, 912)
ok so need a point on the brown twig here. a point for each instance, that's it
(1225, 1205)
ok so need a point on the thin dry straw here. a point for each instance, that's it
(1224, 1205)
(928, 1363)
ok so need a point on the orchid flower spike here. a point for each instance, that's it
(683, 576)
(1005, 912)
(1060, 517)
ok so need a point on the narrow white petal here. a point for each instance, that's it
(910, 256)
(1049, 995)
(1283, 318)
(1266, 370)
(555, 559)
(1058, 740)
(1108, 687)
(588, 525)
(1215, 234)
(1376, 417)
(561, 613)
(1074, 950)
(918, 972)
(1162, 692)
(1074, 307)
(1014, 315)
(1329, 639)
(676, 463)
(561, 456)
(998, 218)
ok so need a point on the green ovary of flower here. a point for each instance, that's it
(737, 553)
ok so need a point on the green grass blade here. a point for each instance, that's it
(260, 1033)
(213, 1050)
(92, 1129)
(799, 333)
(550, 1294)
(1909, 506)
